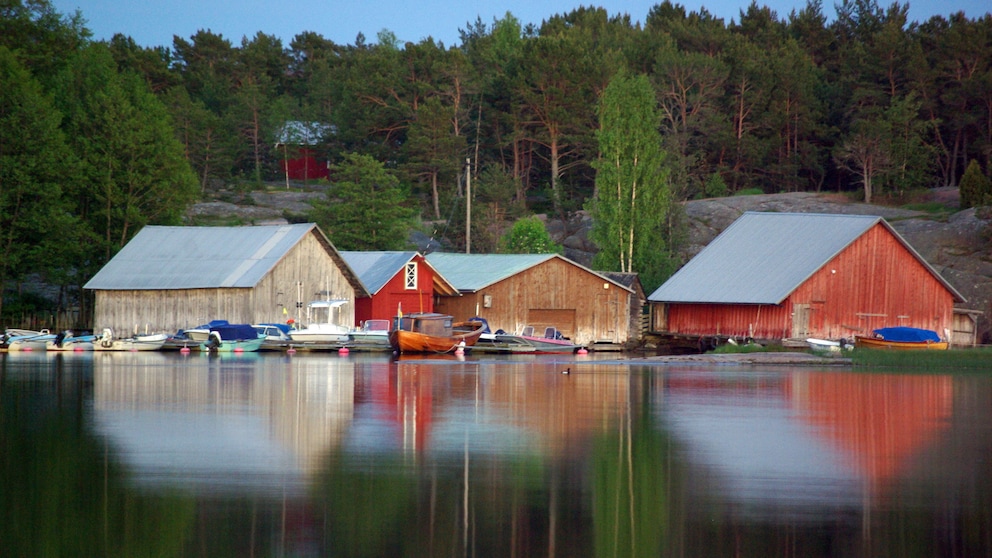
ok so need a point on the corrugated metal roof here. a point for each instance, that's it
(762, 257)
(473, 272)
(160, 258)
(375, 269)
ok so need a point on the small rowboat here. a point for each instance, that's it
(903, 338)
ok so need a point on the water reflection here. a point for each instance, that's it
(308, 455)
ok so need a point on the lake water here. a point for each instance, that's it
(317, 454)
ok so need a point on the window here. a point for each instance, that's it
(411, 276)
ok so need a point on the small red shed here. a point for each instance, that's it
(397, 281)
(797, 275)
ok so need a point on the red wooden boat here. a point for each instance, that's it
(430, 332)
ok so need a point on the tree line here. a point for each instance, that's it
(100, 138)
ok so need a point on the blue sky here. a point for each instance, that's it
(155, 22)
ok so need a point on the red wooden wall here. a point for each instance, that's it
(875, 282)
(305, 166)
(384, 304)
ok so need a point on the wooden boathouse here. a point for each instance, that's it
(171, 278)
(395, 281)
(512, 291)
(782, 276)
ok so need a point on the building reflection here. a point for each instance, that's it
(223, 421)
(804, 440)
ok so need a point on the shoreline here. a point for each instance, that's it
(783, 358)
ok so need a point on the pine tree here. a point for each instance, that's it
(975, 188)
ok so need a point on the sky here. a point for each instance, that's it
(153, 23)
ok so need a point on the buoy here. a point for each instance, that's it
(77, 349)
(184, 350)
(581, 351)
(343, 351)
(290, 351)
(238, 350)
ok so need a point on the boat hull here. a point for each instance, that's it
(873, 343)
(234, 346)
(152, 342)
(404, 341)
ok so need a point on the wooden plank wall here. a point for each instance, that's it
(875, 282)
(300, 277)
(600, 314)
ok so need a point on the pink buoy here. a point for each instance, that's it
(238, 350)
(77, 349)
(581, 351)
(290, 351)
(184, 350)
(343, 351)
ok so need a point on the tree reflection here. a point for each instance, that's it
(60, 493)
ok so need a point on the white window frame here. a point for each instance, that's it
(410, 276)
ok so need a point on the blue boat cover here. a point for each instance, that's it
(907, 334)
(234, 332)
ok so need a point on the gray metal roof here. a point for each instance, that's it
(375, 269)
(160, 258)
(473, 272)
(762, 257)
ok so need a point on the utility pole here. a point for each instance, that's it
(468, 205)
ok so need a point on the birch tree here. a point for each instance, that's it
(633, 196)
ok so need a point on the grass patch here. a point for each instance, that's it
(945, 361)
(728, 348)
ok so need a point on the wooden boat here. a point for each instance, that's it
(903, 338)
(150, 342)
(430, 332)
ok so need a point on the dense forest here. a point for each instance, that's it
(100, 138)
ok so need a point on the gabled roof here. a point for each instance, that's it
(375, 269)
(762, 257)
(160, 258)
(473, 272)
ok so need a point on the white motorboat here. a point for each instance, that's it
(321, 332)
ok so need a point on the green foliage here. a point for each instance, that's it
(975, 188)
(529, 236)
(633, 197)
(132, 170)
(36, 222)
(715, 186)
(366, 208)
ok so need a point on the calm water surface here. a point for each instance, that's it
(161, 454)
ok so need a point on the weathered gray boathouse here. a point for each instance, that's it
(170, 278)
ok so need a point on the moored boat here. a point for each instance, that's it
(321, 332)
(903, 338)
(553, 342)
(30, 341)
(430, 332)
(233, 338)
(829, 345)
(373, 334)
(149, 342)
(68, 341)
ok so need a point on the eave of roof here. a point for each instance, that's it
(474, 272)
